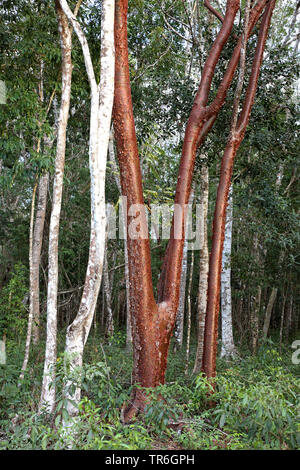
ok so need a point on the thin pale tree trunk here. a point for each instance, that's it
(35, 247)
(38, 230)
(118, 183)
(203, 266)
(3, 350)
(107, 288)
(39, 224)
(47, 399)
(179, 325)
(35, 243)
(100, 122)
(228, 347)
(31, 290)
(78, 331)
(189, 319)
(36, 253)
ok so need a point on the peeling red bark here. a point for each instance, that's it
(202, 119)
(146, 326)
(199, 123)
(153, 323)
(234, 141)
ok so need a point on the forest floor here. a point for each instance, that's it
(256, 402)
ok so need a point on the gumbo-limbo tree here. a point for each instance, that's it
(153, 318)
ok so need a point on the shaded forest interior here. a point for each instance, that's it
(115, 332)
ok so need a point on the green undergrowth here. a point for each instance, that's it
(254, 403)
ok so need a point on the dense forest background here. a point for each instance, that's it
(256, 393)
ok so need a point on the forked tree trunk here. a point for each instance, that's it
(78, 331)
(228, 348)
(237, 132)
(153, 323)
(47, 399)
(100, 122)
(35, 245)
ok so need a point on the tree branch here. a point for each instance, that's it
(213, 11)
(82, 39)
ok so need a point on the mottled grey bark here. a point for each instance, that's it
(36, 239)
(228, 348)
(203, 265)
(36, 253)
(48, 392)
(30, 316)
(100, 122)
(35, 247)
(107, 289)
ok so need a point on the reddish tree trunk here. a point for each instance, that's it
(200, 122)
(234, 141)
(144, 310)
(152, 323)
